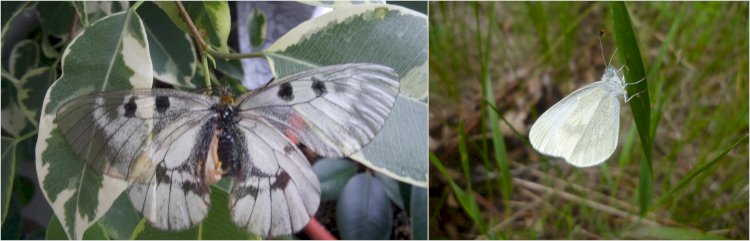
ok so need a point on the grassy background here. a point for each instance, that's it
(523, 57)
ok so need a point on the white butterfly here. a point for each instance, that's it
(172, 145)
(583, 127)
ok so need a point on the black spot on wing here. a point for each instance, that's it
(162, 103)
(161, 175)
(130, 107)
(282, 179)
(286, 92)
(319, 87)
(288, 149)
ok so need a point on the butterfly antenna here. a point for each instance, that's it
(601, 32)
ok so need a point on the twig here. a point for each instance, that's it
(73, 27)
(316, 231)
(592, 204)
(191, 25)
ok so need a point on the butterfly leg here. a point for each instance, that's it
(631, 97)
(644, 78)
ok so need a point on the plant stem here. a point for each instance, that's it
(191, 25)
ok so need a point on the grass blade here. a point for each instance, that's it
(630, 54)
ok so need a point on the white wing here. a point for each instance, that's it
(333, 110)
(275, 190)
(582, 128)
(155, 139)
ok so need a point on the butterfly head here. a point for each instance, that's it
(227, 98)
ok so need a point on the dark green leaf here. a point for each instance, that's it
(13, 224)
(333, 175)
(392, 189)
(363, 210)
(172, 52)
(8, 172)
(56, 17)
(418, 213)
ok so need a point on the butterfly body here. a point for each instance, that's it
(172, 145)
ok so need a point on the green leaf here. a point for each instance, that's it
(23, 57)
(217, 225)
(231, 68)
(212, 19)
(630, 54)
(8, 172)
(392, 189)
(383, 34)
(333, 175)
(13, 225)
(418, 213)
(363, 210)
(55, 230)
(256, 27)
(56, 17)
(111, 54)
(9, 10)
(121, 219)
(172, 51)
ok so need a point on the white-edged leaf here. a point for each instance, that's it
(111, 54)
(13, 120)
(371, 33)
(335, 4)
(33, 85)
(172, 51)
(23, 57)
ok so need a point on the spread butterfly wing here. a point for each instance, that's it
(333, 110)
(155, 139)
(275, 190)
(582, 128)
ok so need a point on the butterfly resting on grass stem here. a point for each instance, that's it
(172, 145)
(583, 127)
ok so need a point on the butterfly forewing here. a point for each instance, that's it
(151, 138)
(340, 107)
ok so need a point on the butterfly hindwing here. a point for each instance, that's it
(275, 192)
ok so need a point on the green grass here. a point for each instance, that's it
(680, 171)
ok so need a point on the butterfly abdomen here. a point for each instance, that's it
(228, 149)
